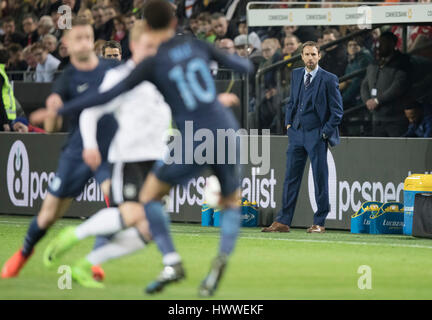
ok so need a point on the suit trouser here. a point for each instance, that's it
(302, 144)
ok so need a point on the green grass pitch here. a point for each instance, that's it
(294, 265)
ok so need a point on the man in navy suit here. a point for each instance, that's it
(313, 114)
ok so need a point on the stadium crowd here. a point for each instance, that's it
(386, 89)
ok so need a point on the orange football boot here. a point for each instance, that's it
(98, 273)
(13, 266)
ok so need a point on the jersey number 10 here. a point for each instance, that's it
(188, 85)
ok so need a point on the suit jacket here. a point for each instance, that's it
(326, 99)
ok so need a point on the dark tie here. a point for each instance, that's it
(308, 77)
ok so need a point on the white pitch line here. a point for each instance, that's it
(277, 239)
(324, 241)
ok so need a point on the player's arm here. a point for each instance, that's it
(231, 61)
(88, 127)
(52, 122)
(89, 119)
(48, 115)
(141, 73)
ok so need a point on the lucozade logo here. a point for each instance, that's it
(18, 174)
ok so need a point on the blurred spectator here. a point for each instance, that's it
(415, 35)
(10, 34)
(47, 64)
(57, 31)
(193, 26)
(110, 12)
(384, 86)
(249, 46)
(242, 47)
(45, 26)
(98, 47)
(220, 27)
(29, 26)
(29, 75)
(269, 106)
(22, 125)
(205, 28)
(112, 50)
(16, 62)
(270, 51)
(242, 26)
(366, 39)
(358, 58)
(303, 33)
(227, 45)
(98, 16)
(87, 15)
(129, 20)
(73, 4)
(50, 43)
(119, 32)
(291, 48)
(420, 125)
(221, 71)
(45, 7)
(121, 35)
(63, 56)
(103, 29)
(334, 58)
(376, 33)
(7, 101)
(255, 41)
(186, 10)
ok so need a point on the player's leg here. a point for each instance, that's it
(151, 195)
(228, 176)
(72, 175)
(111, 221)
(230, 226)
(52, 209)
(122, 243)
(124, 190)
(100, 241)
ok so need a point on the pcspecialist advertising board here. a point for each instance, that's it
(360, 169)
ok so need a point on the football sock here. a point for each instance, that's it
(107, 202)
(159, 227)
(122, 243)
(230, 226)
(34, 234)
(105, 222)
(100, 241)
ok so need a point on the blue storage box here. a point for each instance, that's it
(388, 220)
(360, 221)
(249, 214)
(415, 183)
(217, 216)
(206, 215)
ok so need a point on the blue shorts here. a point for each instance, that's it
(173, 174)
(227, 172)
(73, 174)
